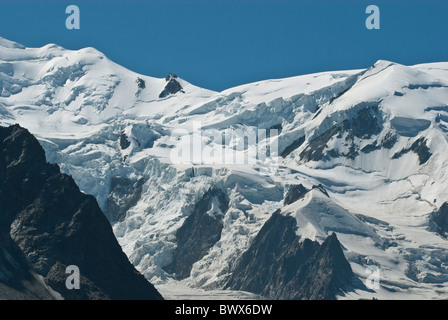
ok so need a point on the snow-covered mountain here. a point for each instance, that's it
(362, 153)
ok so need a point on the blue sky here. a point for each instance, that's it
(218, 44)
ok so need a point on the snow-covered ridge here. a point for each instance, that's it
(78, 92)
(374, 139)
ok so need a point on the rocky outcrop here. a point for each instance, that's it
(172, 86)
(293, 146)
(298, 191)
(124, 142)
(440, 217)
(141, 84)
(200, 231)
(420, 148)
(52, 224)
(295, 192)
(124, 194)
(278, 265)
(366, 124)
(388, 142)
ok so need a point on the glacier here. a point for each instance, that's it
(375, 139)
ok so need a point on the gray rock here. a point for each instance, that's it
(280, 266)
(173, 86)
(124, 194)
(198, 234)
(420, 148)
(141, 83)
(54, 225)
(293, 146)
(124, 142)
(366, 124)
(295, 193)
(440, 217)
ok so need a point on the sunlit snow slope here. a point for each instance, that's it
(374, 141)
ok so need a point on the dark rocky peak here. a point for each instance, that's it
(22, 159)
(295, 192)
(141, 83)
(19, 147)
(298, 191)
(278, 265)
(173, 86)
(200, 231)
(325, 273)
(52, 225)
(331, 250)
(170, 76)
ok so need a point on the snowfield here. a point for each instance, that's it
(375, 140)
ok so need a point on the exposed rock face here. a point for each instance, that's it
(16, 280)
(53, 225)
(141, 83)
(280, 266)
(200, 231)
(295, 192)
(124, 142)
(440, 217)
(173, 86)
(293, 146)
(388, 142)
(124, 194)
(420, 148)
(366, 124)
